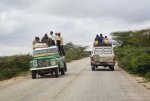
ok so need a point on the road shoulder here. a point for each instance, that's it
(140, 80)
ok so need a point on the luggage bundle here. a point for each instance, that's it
(96, 43)
(106, 42)
(40, 45)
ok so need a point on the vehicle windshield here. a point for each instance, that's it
(43, 51)
(104, 50)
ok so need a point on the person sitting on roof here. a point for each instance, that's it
(36, 40)
(101, 38)
(47, 40)
(96, 42)
(106, 41)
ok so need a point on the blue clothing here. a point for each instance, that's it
(97, 38)
(101, 39)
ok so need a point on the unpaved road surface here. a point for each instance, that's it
(79, 84)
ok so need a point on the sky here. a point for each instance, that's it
(78, 21)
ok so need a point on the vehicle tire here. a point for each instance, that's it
(62, 70)
(56, 72)
(111, 68)
(33, 74)
(65, 66)
(93, 67)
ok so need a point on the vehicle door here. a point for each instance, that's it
(98, 54)
(107, 54)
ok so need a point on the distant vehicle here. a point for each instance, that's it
(47, 61)
(102, 56)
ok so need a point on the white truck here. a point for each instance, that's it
(102, 56)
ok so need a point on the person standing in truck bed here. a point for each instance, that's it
(59, 40)
(52, 37)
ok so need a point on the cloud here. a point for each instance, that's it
(130, 11)
(8, 24)
(78, 20)
(13, 50)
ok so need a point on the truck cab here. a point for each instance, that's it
(102, 56)
(47, 61)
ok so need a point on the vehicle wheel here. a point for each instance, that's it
(93, 67)
(56, 72)
(33, 74)
(62, 70)
(111, 68)
(65, 66)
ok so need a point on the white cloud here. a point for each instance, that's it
(8, 22)
(13, 50)
(78, 20)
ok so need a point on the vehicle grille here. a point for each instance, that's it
(44, 63)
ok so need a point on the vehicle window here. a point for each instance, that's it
(107, 51)
(98, 51)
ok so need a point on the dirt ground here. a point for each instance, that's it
(13, 80)
(142, 81)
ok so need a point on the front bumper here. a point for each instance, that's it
(43, 68)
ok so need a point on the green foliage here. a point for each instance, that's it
(147, 75)
(132, 38)
(12, 65)
(133, 51)
(74, 52)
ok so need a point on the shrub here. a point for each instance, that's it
(12, 65)
(74, 52)
(147, 75)
(133, 51)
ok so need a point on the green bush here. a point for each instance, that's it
(133, 51)
(75, 52)
(147, 75)
(13, 65)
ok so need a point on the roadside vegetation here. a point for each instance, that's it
(75, 52)
(132, 49)
(12, 66)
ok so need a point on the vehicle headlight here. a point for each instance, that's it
(35, 63)
(31, 64)
(53, 63)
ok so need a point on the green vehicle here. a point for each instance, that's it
(47, 61)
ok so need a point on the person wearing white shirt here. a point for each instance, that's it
(53, 38)
(56, 37)
(60, 44)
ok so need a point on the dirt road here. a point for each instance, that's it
(79, 84)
